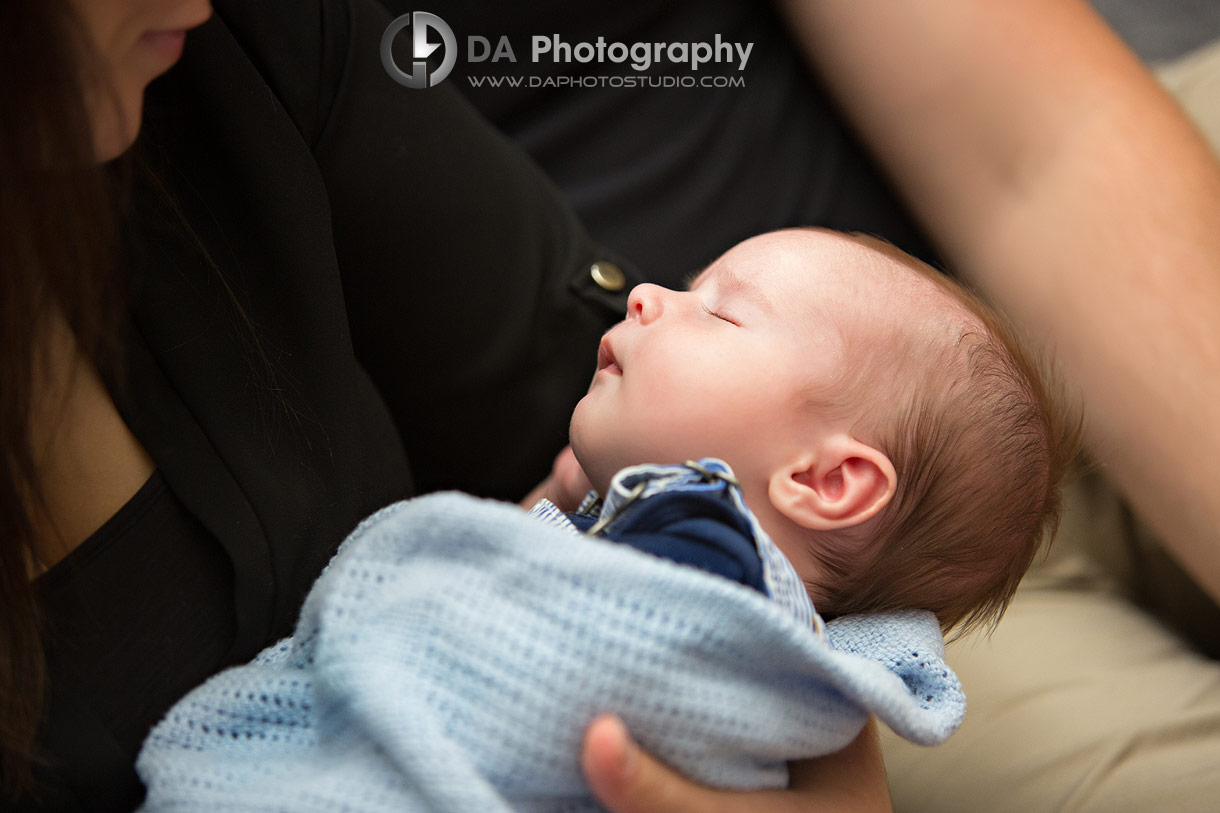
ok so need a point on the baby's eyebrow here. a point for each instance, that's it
(692, 278)
(729, 282)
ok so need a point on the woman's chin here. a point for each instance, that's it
(114, 131)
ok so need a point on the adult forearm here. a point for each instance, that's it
(1060, 179)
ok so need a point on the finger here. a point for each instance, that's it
(622, 777)
(627, 780)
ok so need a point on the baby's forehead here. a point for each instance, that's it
(848, 277)
(884, 302)
(861, 274)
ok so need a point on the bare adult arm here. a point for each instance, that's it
(626, 780)
(1063, 182)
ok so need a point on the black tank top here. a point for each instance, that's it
(131, 627)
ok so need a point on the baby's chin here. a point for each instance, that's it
(599, 478)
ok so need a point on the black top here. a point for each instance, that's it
(376, 294)
(131, 627)
(674, 176)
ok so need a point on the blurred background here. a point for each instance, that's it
(1162, 30)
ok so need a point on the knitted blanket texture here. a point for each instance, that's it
(452, 653)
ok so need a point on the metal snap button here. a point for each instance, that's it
(608, 275)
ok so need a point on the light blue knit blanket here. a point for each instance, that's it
(451, 655)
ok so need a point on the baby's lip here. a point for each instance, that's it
(606, 359)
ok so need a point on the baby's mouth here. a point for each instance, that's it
(606, 360)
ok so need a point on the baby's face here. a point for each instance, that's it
(725, 368)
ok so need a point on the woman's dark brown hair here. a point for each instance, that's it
(56, 255)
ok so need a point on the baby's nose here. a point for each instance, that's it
(645, 302)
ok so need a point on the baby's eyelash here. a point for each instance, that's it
(711, 312)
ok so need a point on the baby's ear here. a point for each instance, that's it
(844, 484)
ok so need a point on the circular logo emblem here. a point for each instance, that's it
(420, 23)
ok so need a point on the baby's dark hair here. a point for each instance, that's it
(981, 440)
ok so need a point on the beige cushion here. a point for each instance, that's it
(1194, 80)
(1080, 701)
